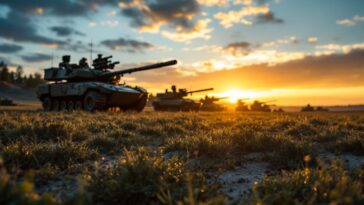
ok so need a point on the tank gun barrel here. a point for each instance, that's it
(202, 90)
(221, 98)
(137, 69)
(269, 101)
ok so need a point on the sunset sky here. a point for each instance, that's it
(294, 51)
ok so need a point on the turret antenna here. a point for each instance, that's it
(52, 60)
(91, 52)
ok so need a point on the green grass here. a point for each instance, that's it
(175, 158)
(330, 185)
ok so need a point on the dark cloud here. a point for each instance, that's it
(18, 24)
(127, 45)
(57, 7)
(175, 13)
(61, 8)
(37, 57)
(238, 48)
(77, 46)
(268, 18)
(65, 31)
(9, 48)
(18, 27)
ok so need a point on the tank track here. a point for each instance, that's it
(92, 101)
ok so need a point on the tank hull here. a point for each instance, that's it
(212, 108)
(176, 105)
(104, 94)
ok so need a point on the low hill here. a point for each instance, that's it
(17, 93)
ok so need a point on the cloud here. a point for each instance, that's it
(341, 48)
(9, 48)
(238, 48)
(200, 30)
(19, 28)
(331, 71)
(150, 15)
(210, 3)
(268, 18)
(36, 57)
(65, 31)
(311, 71)
(346, 22)
(56, 8)
(7, 61)
(275, 43)
(358, 18)
(127, 45)
(350, 22)
(312, 40)
(228, 19)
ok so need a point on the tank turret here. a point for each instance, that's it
(100, 72)
(98, 88)
(209, 103)
(174, 100)
(261, 106)
(241, 105)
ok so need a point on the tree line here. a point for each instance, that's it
(18, 77)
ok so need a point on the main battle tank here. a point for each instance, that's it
(81, 87)
(260, 106)
(175, 101)
(209, 104)
(241, 106)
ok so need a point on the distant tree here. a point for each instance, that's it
(12, 77)
(4, 72)
(38, 78)
(19, 75)
(29, 82)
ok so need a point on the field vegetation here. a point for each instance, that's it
(180, 158)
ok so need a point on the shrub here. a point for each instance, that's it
(331, 185)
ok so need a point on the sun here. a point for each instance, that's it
(235, 94)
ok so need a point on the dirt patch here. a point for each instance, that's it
(237, 183)
(350, 161)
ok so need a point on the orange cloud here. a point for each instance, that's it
(228, 19)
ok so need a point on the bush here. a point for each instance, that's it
(331, 185)
(22, 193)
(141, 178)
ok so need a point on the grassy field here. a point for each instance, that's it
(181, 158)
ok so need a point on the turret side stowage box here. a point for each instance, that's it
(54, 74)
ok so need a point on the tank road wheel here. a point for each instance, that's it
(78, 105)
(47, 104)
(70, 105)
(55, 105)
(94, 101)
(63, 105)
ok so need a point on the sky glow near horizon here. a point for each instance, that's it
(294, 51)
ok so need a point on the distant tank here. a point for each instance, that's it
(6, 102)
(308, 108)
(81, 87)
(241, 106)
(209, 104)
(260, 106)
(174, 100)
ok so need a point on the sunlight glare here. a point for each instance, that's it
(236, 94)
